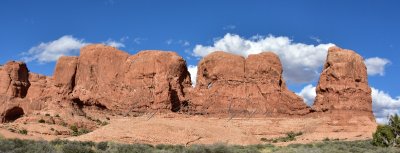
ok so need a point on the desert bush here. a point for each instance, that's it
(130, 148)
(64, 146)
(23, 131)
(41, 121)
(290, 136)
(73, 128)
(76, 148)
(388, 135)
(102, 146)
(22, 146)
(197, 149)
(104, 123)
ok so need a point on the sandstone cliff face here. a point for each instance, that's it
(106, 80)
(64, 74)
(14, 84)
(231, 84)
(14, 80)
(147, 81)
(343, 83)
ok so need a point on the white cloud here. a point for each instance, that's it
(383, 105)
(113, 43)
(376, 65)
(193, 74)
(64, 46)
(301, 62)
(308, 94)
(51, 51)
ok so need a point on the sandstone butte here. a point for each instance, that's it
(148, 98)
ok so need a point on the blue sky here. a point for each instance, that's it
(369, 27)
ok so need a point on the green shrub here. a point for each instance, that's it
(73, 128)
(22, 146)
(388, 135)
(104, 123)
(80, 131)
(290, 136)
(76, 148)
(130, 148)
(23, 131)
(102, 146)
(41, 121)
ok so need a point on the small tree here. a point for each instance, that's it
(388, 135)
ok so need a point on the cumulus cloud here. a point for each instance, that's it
(301, 62)
(376, 65)
(193, 73)
(51, 51)
(64, 46)
(308, 94)
(384, 105)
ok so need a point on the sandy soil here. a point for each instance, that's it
(202, 130)
(186, 130)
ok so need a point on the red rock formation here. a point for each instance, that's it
(64, 74)
(343, 83)
(106, 80)
(14, 84)
(147, 81)
(231, 84)
(14, 79)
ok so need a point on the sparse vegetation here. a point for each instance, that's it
(64, 146)
(11, 129)
(46, 114)
(77, 132)
(104, 123)
(23, 131)
(42, 121)
(388, 135)
(290, 136)
(57, 115)
(64, 124)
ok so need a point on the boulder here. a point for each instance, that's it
(231, 84)
(343, 84)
